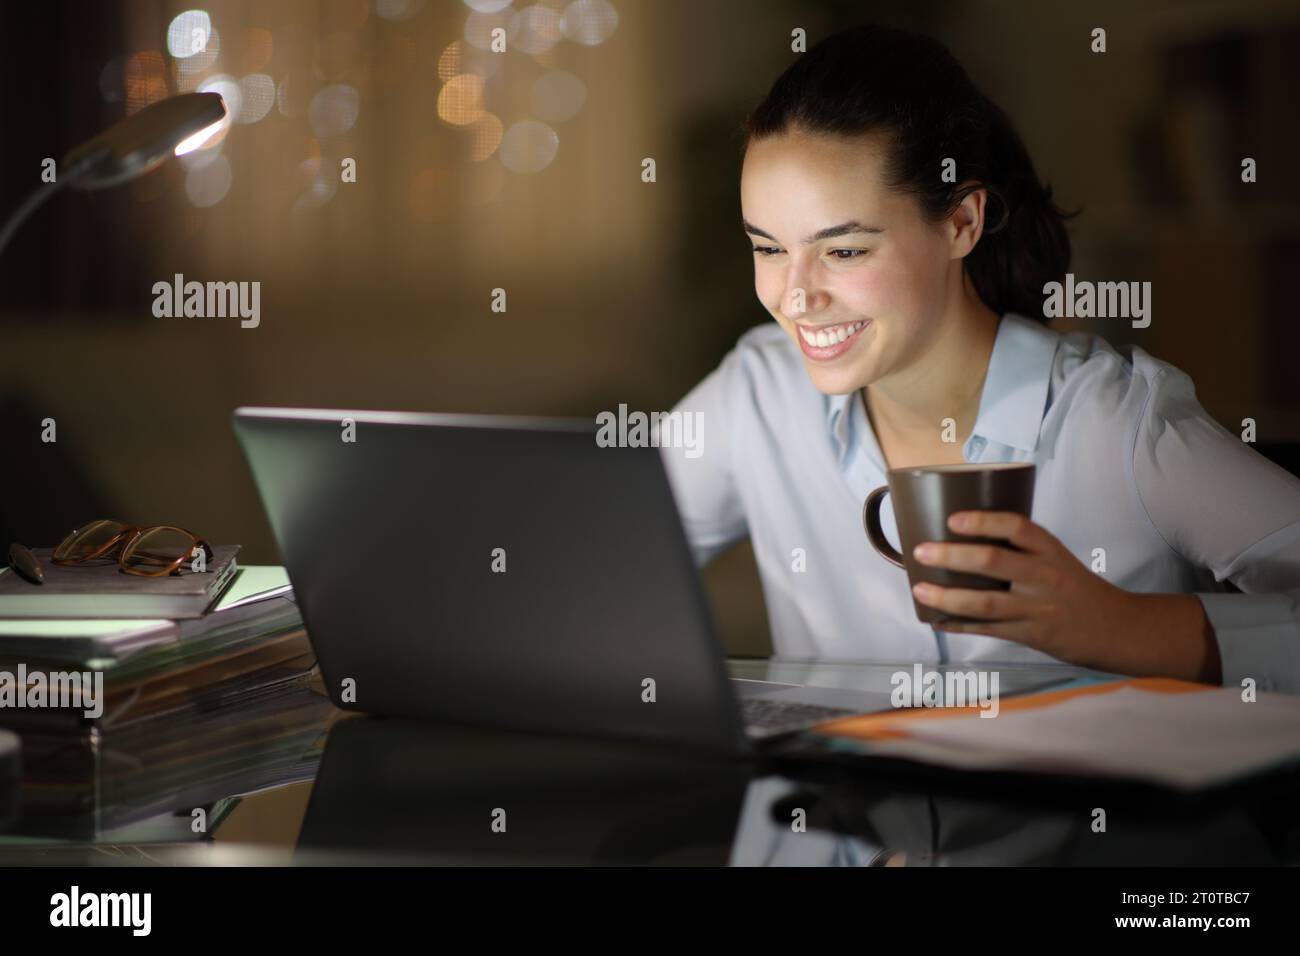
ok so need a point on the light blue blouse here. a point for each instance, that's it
(1127, 461)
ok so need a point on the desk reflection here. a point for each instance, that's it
(434, 793)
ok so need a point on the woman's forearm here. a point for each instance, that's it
(1170, 636)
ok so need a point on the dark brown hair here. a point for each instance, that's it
(912, 91)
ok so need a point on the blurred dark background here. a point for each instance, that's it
(522, 171)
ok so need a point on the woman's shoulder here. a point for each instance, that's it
(1089, 365)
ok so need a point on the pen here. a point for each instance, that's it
(25, 563)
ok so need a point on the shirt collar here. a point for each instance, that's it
(1014, 398)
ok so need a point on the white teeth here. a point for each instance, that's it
(826, 338)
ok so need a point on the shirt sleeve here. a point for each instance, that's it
(1225, 507)
(703, 478)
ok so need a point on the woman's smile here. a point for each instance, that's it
(828, 342)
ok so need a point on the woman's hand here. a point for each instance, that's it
(1060, 607)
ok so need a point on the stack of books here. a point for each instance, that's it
(135, 697)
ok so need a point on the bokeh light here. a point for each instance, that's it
(528, 146)
(487, 6)
(319, 182)
(208, 185)
(188, 33)
(534, 29)
(145, 80)
(479, 27)
(334, 110)
(485, 136)
(461, 101)
(449, 61)
(256, 97)
(460, 57)
(589, 22)
(190, 69)
(296, 92)
(557, 96)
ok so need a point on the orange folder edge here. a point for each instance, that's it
(893, 724)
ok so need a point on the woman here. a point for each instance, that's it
(902, 241)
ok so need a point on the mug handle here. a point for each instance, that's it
(876, 534)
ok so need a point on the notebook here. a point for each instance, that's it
(103, 590)
(85, 639)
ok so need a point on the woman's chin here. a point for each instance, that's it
(837, 381)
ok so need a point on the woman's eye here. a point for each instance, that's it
(847, 254)
(766, 250)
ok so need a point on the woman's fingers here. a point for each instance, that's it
(989, 560)
(1011, 525)
(966, 602)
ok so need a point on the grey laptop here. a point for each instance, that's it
(506, 572)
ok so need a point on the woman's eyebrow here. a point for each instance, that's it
(830, 232)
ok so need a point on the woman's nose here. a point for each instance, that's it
(801, 297)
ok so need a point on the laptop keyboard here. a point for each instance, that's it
(767, 716)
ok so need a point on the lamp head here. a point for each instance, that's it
(170, 127)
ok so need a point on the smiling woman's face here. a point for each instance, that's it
(873, 274)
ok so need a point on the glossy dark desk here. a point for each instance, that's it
(324, 787)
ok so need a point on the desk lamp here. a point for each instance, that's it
(137, 144)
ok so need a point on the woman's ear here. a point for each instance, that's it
(966, 224)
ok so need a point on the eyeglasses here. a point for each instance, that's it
(152, 551)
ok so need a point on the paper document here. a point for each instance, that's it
(1175, 734)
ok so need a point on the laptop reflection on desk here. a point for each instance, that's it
(430, 793)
